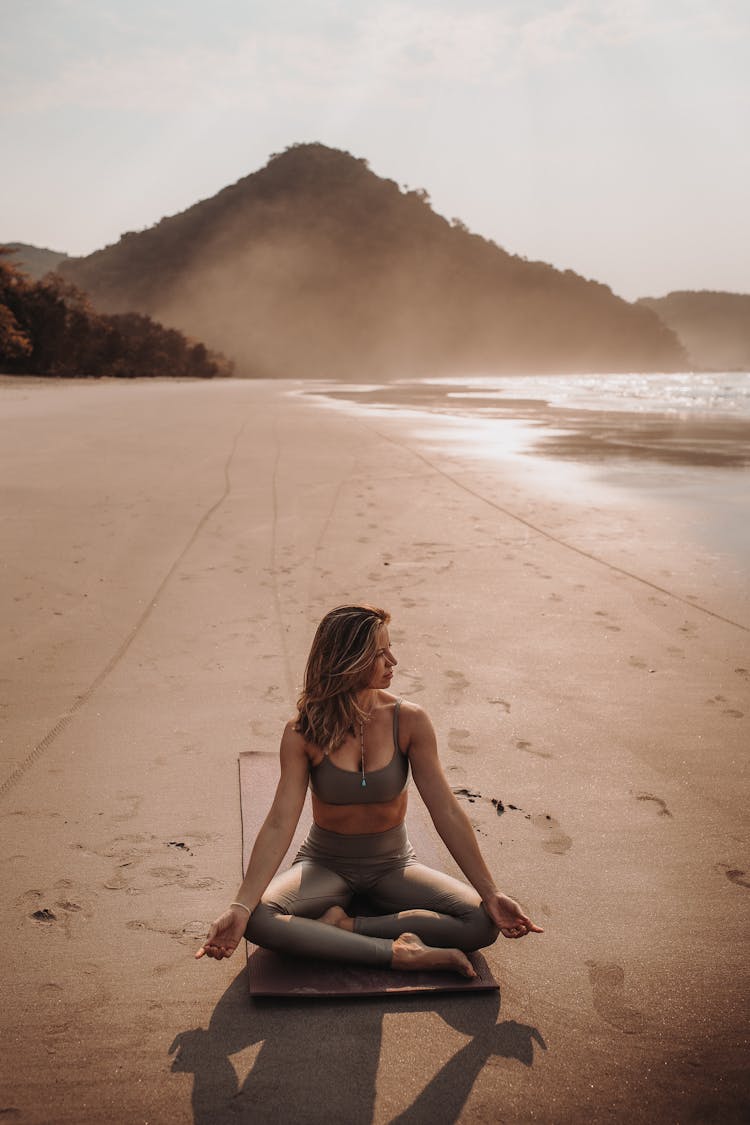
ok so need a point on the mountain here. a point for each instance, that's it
(315, 266)
(714, 327)
(35, 261)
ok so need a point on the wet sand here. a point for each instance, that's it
(575, 433)
(168, 549)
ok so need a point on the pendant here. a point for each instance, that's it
(364, 783)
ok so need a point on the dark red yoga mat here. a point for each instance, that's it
(271, 974)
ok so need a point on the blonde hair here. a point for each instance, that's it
(341, 656)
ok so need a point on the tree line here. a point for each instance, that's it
(49, 328)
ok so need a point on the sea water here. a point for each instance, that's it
(696, 393)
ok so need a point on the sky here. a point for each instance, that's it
(610, 137)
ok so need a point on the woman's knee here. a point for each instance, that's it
(480, 930)
(258, 924)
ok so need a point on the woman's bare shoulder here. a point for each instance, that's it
(408, 707)
(293, 741)
(413, 719)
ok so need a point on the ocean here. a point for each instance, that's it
(686, 393)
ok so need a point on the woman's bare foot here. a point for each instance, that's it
(337, 916)
(411, 953)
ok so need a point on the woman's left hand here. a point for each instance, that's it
(508, 916)
(224, 935)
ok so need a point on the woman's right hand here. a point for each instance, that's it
(225, 934)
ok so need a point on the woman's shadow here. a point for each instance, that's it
(318, 1059)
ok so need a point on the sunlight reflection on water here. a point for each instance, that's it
(711, 392)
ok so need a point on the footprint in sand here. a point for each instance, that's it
(187, 934)
(117, 882)
(734, 875)
(457, 741)
(30, 898)
(68, 906)
(663, 810)
(607, 988)
(501, 703)
(410, 682)
(742, 672)
(457, 686)
(528, 748)
(555, 841)
(177, 876)
(168, 876)
(733, 712)
(134, 802)
(50, 989)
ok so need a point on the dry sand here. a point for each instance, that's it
(167, 550)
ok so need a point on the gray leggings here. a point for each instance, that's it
(330, 868)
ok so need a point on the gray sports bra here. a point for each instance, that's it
(336, 786)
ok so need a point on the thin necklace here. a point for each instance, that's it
(362, 752)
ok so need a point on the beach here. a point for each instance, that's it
(581, 643)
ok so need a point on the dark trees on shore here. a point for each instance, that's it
(47, 327)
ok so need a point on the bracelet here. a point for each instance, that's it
(241, 904)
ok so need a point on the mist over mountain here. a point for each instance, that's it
(713, 326)
(35, 261)
(314, 266)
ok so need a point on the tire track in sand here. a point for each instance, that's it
(291, 693)
(80, 700)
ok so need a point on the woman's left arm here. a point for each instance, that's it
(454, 827)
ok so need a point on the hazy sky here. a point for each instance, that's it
(606, 136)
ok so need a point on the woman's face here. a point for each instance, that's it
(385, 661)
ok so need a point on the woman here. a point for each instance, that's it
(353, 743)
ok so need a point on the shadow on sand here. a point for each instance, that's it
(318, 1060)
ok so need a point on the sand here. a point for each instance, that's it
(167, 550)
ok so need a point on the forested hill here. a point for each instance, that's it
(314, 266)
(34, 261)
(714, 327)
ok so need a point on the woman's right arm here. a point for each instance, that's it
(269, 849)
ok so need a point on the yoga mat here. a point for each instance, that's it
(272, 974)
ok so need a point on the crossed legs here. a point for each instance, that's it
(441, 911)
